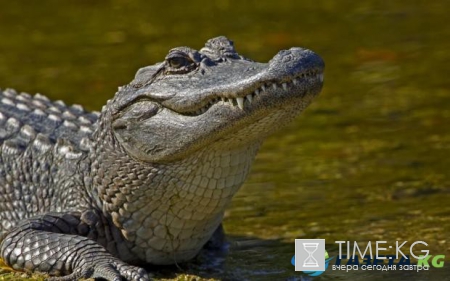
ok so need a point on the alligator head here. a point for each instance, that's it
(196, 98)
(175, 145)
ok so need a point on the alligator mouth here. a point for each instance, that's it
(245, 99)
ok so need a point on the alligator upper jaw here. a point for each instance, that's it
(239, 83)
(253, 95)
(263, 91)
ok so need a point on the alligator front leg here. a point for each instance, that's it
(56, 244)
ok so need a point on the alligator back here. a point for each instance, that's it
(52, 119)
(42, 144)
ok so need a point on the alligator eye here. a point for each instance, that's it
(177, 62)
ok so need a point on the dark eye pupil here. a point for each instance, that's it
(177, 62)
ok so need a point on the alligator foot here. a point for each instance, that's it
(53, 243)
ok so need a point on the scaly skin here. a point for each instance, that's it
(146, 181)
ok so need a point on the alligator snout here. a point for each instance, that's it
(296, 60)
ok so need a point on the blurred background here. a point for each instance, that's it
(368, 160)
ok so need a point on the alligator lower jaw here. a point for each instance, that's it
(246, 99)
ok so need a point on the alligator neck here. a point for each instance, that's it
(161, 206)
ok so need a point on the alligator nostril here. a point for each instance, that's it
(286, 58)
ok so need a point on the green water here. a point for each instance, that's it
(368, 160)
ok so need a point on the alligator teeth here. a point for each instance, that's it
(240, 102)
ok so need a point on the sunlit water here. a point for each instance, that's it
(368, 160)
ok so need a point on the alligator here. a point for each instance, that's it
(146, 181)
